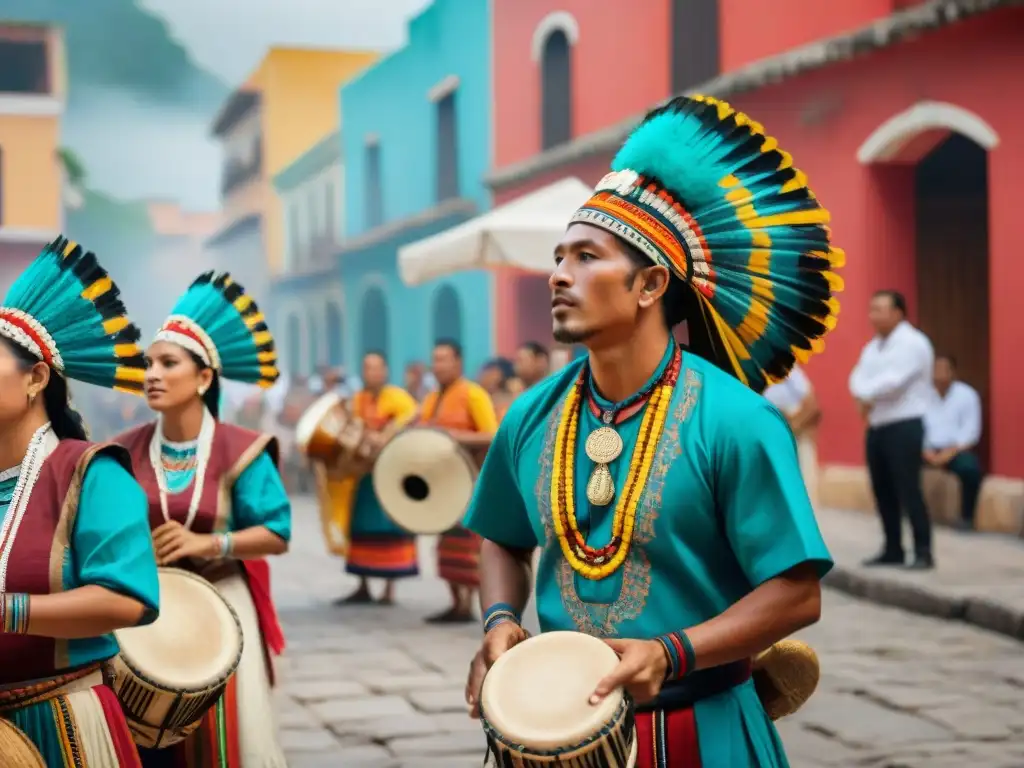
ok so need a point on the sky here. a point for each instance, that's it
(228, 37)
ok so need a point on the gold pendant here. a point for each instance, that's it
(603, 446)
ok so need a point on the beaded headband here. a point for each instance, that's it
(25, 331)
(187, 333)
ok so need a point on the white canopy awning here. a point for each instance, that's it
(522, 233)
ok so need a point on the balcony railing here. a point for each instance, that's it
(235, 174)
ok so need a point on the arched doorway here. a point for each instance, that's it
(447, 314)
(335, 334)
(951, 235)
(933, 159)
(294, 335)
(373, 323)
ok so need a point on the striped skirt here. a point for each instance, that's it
(458, 557)
(382, 556)
(80, 728)
(240, 731)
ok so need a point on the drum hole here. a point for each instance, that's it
(415, 487)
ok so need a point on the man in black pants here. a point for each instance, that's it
(892, 383)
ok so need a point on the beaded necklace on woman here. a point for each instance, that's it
(602, 447)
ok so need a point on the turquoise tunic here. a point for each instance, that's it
(257, 498)
(109, 550)
(724, 510)
(368, 516)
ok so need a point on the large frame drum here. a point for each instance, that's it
(172, 671)
(327, 431)
(424, 480)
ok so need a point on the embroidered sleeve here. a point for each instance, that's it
(111, 545)
(762, 496)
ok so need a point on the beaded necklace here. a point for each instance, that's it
(204, 446)
(599, 563)
(39, 448)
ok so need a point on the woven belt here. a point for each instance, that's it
(22, 695)
(699, 685)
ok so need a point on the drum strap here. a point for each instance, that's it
(700, 685)
(37, 691)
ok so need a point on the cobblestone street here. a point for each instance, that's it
(374, 687)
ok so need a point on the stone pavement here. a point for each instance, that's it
(979, 577)
(375, 687)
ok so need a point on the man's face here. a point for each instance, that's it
(375, 372)
(446, 364)
(491, 379)
(529, 367)
(883, 313)
(414, 376)
(944, 373)
(595, 288)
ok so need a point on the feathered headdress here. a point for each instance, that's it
(700, 189)
(217, 321)
(66, 310)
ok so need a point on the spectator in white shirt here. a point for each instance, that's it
(892, 383)
(795, 398)
(952, 429)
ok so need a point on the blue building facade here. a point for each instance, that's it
(416, 143)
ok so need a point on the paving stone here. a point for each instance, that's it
(345, 710)
(448, 743)
(320, 690)
(857, 721)
(308, 740)
(382, 729)
(450, 700)
(391, 683)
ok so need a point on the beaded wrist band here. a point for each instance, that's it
(499, 613)
(14, 610)
(225, 543)
(681, 658)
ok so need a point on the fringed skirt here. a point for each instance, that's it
(82, 728)
(458, 557)
(240, 731)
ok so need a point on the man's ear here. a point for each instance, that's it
(654, 286)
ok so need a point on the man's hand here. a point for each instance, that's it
(641, 670)
(864, 408)
(503, 637)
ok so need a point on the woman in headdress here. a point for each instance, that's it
(70, 571)
(217, 505)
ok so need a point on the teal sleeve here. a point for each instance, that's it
(762, 497)
(111, 545)
(259, 498)
(497, 511)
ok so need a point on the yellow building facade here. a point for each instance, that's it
(32, 97)
(287, 105)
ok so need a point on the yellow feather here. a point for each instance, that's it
(115, 324)
(127, 350)
(97, 289)
(124, 373)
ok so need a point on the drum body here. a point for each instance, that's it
(536, 711)
(328, 432)
(172, 671)
(424, 480)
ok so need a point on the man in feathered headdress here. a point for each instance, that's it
(664, 490)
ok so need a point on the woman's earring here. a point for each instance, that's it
(31, 399)
(202, 391)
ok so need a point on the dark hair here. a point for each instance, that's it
(536, 348)
(376, 353)
(67, 423)
(211, 397)
(452, 344)
(948, 358)
(674, 301)
(898, 300)
(503, 365)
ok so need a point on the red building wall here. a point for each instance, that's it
(823, 118)
(619, 67)
(756, 29)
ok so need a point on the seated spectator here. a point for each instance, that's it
(795, 398)
(952, 429)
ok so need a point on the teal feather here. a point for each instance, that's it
(52, 290)
(246, 350)
(721, 168)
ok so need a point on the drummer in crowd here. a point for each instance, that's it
(496, 377)
(70, 571)
(666, 493)
(217, 505)
(464, 409)
(376, 547)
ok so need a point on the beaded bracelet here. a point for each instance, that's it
(225, 543)
(681, 658)
(499, 613)
(14, 611)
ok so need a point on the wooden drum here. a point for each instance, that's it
(536, 711)
(328, 432)
(172, 671)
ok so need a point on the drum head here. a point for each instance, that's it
(424, 480)
(538, 694)
(196, 638)
(315, 416)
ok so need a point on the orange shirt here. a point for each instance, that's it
(463, 405)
